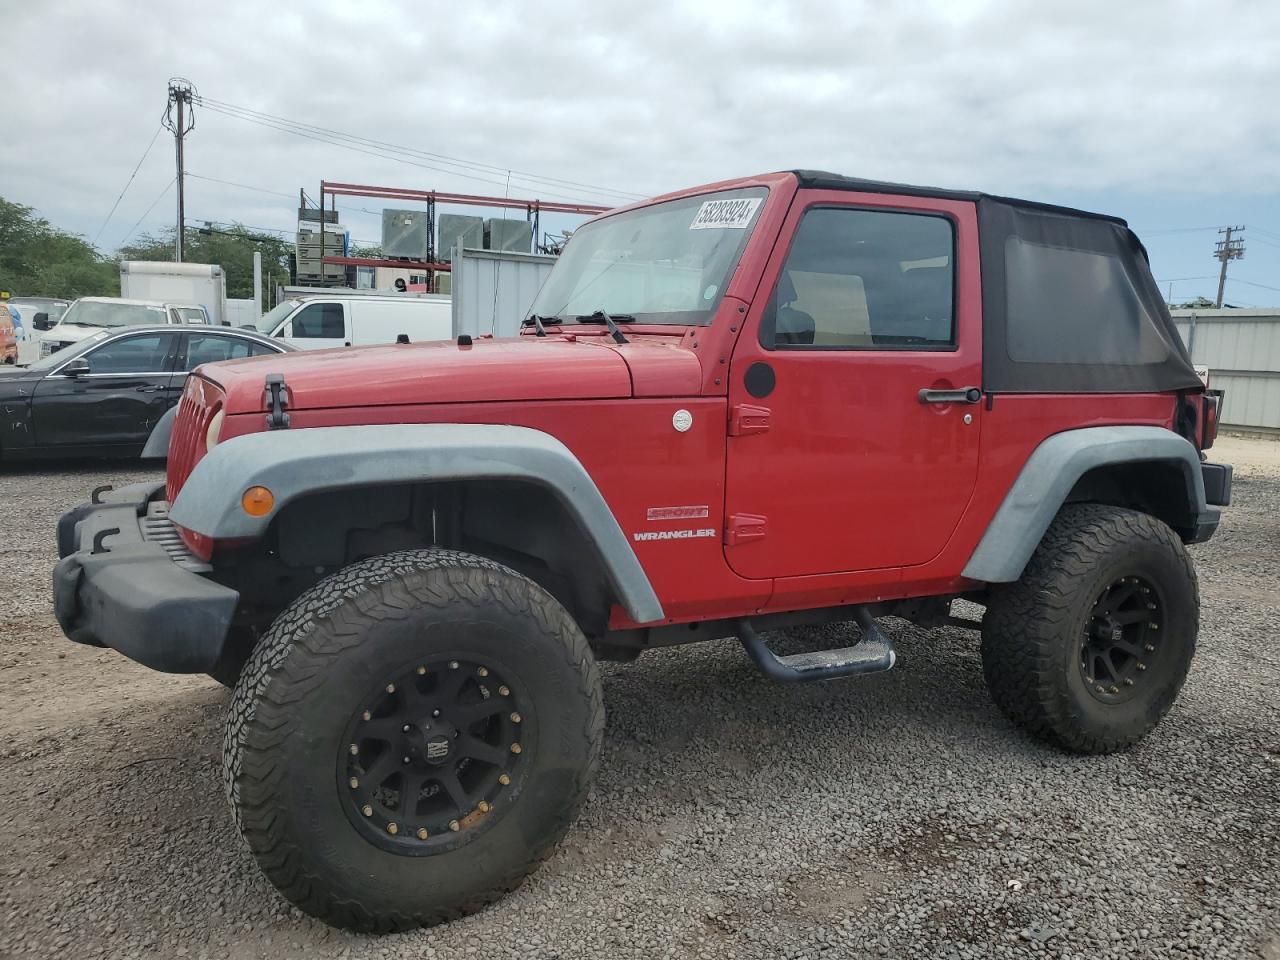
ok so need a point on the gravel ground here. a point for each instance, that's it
(897, 815)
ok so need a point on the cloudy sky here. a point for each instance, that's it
(1167, 113)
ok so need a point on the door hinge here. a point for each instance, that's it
(747, 418)
(742, 527)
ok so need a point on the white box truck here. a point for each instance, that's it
(202, 283)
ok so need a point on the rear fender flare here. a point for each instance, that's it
(293, 463)
(1048, 477)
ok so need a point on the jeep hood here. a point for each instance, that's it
(585, 367)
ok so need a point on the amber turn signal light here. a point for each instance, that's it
(257, 501)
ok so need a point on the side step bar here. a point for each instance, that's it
(871, 654)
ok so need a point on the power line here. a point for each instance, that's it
(130, 234)
(386, 151)
(443, 158)
(242, 186)
(1152, 233)
(1253, 284)
(127, 183)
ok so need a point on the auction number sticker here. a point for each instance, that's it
(725, 214)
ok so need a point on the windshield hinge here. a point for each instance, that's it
(746, 418)
(276, 396)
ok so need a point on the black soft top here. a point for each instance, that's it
(822, 180)
(1068, 301)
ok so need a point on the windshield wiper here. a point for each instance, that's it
(533, 320)
(600, 316)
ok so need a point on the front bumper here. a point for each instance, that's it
(126, 581)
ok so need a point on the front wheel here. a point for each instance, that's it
(1089, 649)
(410, 738)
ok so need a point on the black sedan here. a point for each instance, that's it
(102, 396)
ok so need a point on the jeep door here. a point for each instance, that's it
(853, 445)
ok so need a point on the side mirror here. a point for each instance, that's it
(41, 322)
(77, 368)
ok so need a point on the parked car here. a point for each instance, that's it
(102, 395)
(791, 398)
(8, 336)
(88, 315)
(333, 320)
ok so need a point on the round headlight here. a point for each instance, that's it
(215, 427)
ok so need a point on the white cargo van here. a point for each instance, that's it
(336, 320)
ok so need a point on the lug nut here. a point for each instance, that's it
(367, 810)
(421, 671)
(355, 749)
(366, 715)
(504, 780)
(422, 833)
(406, 759)
(1148, 647)
(515, 718)
(1128, 681)
(1115, 689)
(405, 728)
(483, 671)
(453, 664)
(435, 713)
(392, 828)
(354, 783)
(504, 691)
(391, 688)
(515, 748)
(1100, 688)
(1154, 626)
(454, 826)
(484, 806)
(1142, 666)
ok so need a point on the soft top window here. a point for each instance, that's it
(1069, 306)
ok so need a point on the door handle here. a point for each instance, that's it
(963, 395)
(147, 389)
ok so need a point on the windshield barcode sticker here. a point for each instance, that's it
(725, 214)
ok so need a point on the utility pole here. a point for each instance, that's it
(179, 116)
(1227, 249)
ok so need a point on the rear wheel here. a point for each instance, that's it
(410, 738)
(1089, 649)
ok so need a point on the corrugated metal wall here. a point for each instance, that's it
(1241, 348)
(492, 290)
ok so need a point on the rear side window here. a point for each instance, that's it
(209, 348)
(1075, 306)
(865, 280)
(320, 321)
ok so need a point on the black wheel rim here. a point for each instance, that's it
(1121, 647)
(434, 755)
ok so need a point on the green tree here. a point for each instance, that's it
(231, 247)
(39, 260)
(370, 251)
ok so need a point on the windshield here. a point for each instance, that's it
(271, 319)
(67, 353)
(666, 263)
(105, 313)
(29, 308)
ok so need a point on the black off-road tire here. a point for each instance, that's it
(1033, 631)
(305, 682)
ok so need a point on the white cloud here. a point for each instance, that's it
(1016, 96)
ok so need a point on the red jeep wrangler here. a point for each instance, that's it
(785, 399)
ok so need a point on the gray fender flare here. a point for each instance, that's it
(157, 445)
(292, 463)
(1047, 478)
